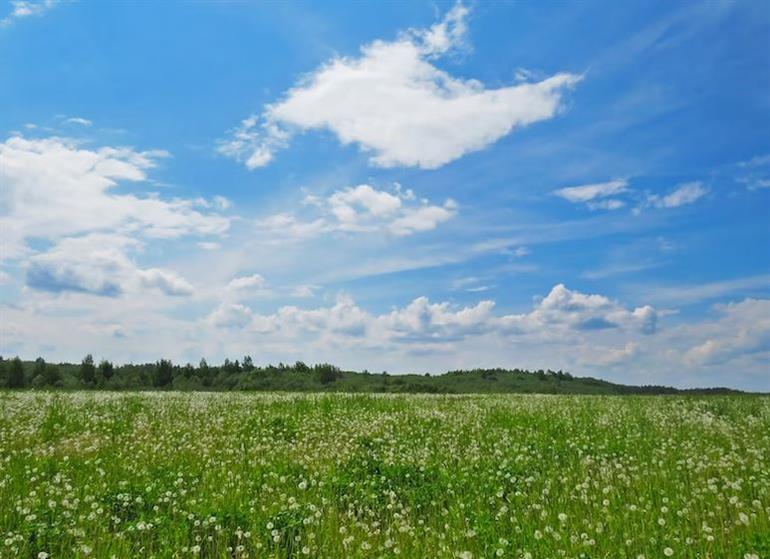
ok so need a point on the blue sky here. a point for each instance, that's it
(407, 187)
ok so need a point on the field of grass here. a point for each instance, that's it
(92, 474)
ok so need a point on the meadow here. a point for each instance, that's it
(168, 474)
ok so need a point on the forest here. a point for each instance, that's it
(244, 375)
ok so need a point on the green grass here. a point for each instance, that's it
(333, 475)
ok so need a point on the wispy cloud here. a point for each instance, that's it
(755, 172)
(615, 194)
(588, 192)
(682, 195)
(683, 294)
(596, 196)
(78, 120)
(21, 9)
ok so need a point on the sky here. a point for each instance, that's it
(409, 187)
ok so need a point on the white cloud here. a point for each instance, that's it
(424, 218)
(95, 264)
(757, 184)
(566, 309)
(608, 195)
(424, 322)
(98, 264)
(756, 173)
(53, 188)
(78, 120)
(254, 282)
(589, 192)
(608, 356)
(304, 291)
(167, 281)
(67, 226)
(254, 143)
(681, 196)
(420, 323)
(446, 34)
(346, 204)
(230, 315)
(685, 294)
(395, 104)
(756, 161)
(362, 209)
(27, 8)
(559, 316)
(741, 329)
(607, 204)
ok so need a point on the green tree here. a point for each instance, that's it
(301, 367)
(327, 373)
(248, 364)
(164, 373)
(106, 369)
(38, 371)
(87, 370)
(16, 377)
(52, 375)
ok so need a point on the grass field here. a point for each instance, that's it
(266, 475)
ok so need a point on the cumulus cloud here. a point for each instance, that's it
(425, 322)
(419, 323)
(167, 281)
(304, 291)
(53, 188)
(230, 315)
(94, 264)
(98, 264)
(247, 283)
(395, 104)
(65, 223)
(362, 209)
(564, 308)
(432, 325)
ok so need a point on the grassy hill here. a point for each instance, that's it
(233, 375)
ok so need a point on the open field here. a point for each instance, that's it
(268, 475)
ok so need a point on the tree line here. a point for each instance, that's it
(243, 374)
(163, 374)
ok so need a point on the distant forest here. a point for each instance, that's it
(244, 375)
